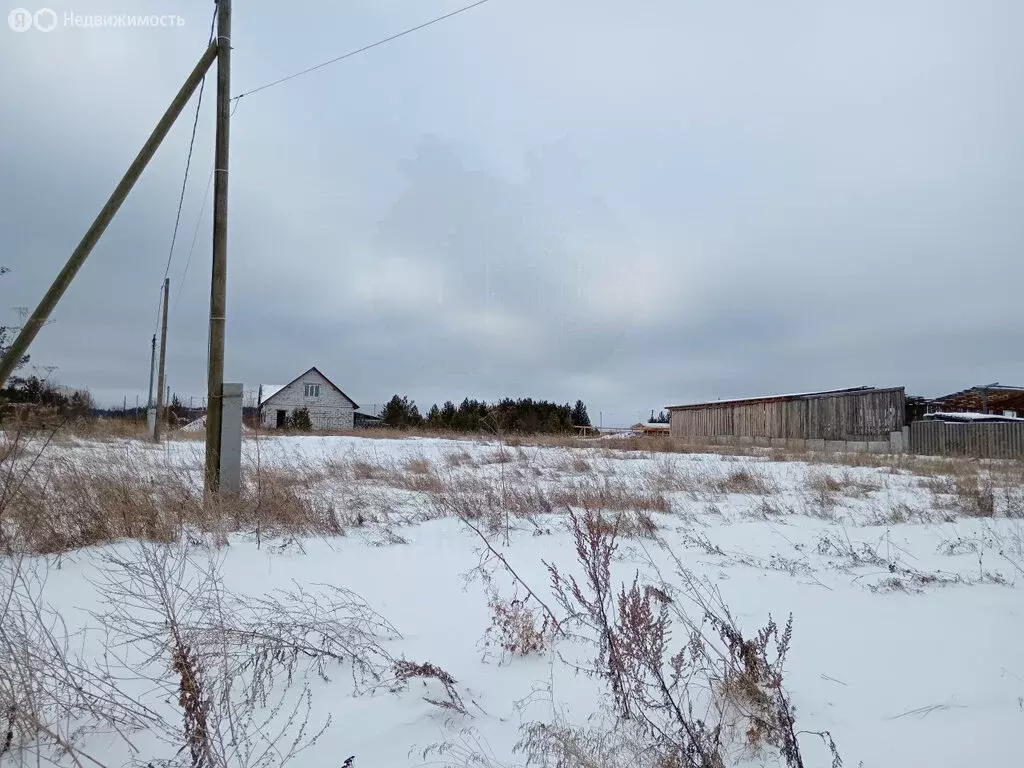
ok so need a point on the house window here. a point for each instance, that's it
(312, 390)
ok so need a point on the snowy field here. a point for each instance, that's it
(905, 582)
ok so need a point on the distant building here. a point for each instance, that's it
(855, 414)
(993, 399)
(655, 428)
(366, 420)
(328, 406)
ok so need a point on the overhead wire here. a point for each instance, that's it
(365, 48)
(188, 166)
(195, 237)
(195, 232)
(237, 100)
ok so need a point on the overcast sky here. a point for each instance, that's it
(636, 204)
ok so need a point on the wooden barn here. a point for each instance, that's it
(861, 414)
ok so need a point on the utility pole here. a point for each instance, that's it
(42, 312)
(150, 410)
(152, 371)
(219, 277)
(163, 363)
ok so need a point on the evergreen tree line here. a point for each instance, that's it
(42, 394)
(522, 416)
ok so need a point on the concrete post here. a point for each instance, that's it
(896, 442)
(151, 421)
(231, 439)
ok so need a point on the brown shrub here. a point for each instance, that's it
(518, 628)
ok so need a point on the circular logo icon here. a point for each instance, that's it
(45, 19)
(20, 20)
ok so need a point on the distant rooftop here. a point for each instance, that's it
(997, 397)
(257, 394)
(775, 398)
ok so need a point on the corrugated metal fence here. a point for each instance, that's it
(985, 440)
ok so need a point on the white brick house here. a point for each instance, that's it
(329, 407)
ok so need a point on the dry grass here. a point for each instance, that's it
(572, 462)
(58, 501)
(78, 495)
(633, 524)
(746, 481)
(608, 496)
(419, 466)
(460, 459)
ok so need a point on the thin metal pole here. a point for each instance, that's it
(219, 276)
(152, 372)
(106, 214)
(163, 363)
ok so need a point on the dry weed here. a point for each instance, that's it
(746, 481)
(404, 671)
(608, 495)
(459, 459)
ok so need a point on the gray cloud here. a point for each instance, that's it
(632, 205)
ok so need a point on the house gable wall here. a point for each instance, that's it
(331, 410)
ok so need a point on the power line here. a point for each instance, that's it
(195, 237)
(188, 165)
(199, 221)
(363, 49)
(188, 162)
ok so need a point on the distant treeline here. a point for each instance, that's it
(36, 392)
(523, 416)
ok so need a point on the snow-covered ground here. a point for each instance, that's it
(908, 613)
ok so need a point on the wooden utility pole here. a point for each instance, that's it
(152, 371)
(163, 363)
(60, 284)
(218, 283)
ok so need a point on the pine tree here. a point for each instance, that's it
(301, 421)
(434, 417)
(448, 413)
(402, 413)
(580, 418)
(394, 413)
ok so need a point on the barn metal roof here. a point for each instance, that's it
(779, 398)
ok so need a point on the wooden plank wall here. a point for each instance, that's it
(869, 415)
(983, 440)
